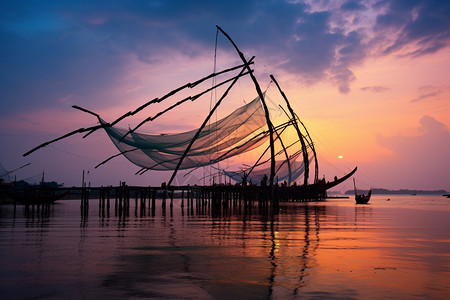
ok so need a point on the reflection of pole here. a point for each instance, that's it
(305, 251)
(317, 223)
(82, 191)
(272, 255)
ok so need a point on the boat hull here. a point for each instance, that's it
(362, 199)
(317, 190)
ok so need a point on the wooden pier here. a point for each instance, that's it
(213, 197)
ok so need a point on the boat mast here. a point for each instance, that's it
(266, 110)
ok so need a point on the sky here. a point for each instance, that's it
(368, 78)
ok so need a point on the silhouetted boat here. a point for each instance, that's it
(361, 198)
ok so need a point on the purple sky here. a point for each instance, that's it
(369, 78)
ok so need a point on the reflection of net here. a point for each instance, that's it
(281, 170)
(230, 136)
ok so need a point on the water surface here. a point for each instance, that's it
(323, 250)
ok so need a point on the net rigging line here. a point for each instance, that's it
(94, 128)
(213, 91)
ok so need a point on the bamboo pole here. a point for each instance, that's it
(130, 113)
(206, 121)
(171, 93)
(313, 148)
(287, 157)
(190, 98)
(300, 136)
(256, 137)
(116, 155)
(266, 110)
(257, 163)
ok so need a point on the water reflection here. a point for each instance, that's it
(240, 252)
(204, 251)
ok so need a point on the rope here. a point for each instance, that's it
(270, 82)
(213, 93)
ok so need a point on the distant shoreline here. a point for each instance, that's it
(400, 192)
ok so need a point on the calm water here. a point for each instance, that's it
(397, 249)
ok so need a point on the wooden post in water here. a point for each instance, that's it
(153, 202)
(108, 198)
(100, 202)
(82, 192)
(136, 203)
(116, 199)
(182, 198)
(188, 197)
(193, 195)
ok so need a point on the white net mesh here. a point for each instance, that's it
(239, 132)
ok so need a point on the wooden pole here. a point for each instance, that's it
(205, 122)
(266, 110)
(190, 98)
(300, 136)
(287, 156)
(130, 113)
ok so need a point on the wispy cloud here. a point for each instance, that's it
(375, 89)
(427, 92)
(422, 25)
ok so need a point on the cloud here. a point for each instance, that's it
(342, 77)
(52, 49)
(427, 92)
(425, 96)
(416, 157)
(353, 6)
(375, 89)
(57, 48)
(423, 25)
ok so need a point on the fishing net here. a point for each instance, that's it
(4, 175)
(283, 171)
(239, 132)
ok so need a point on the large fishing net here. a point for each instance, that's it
(239, 132)
(285, 170)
